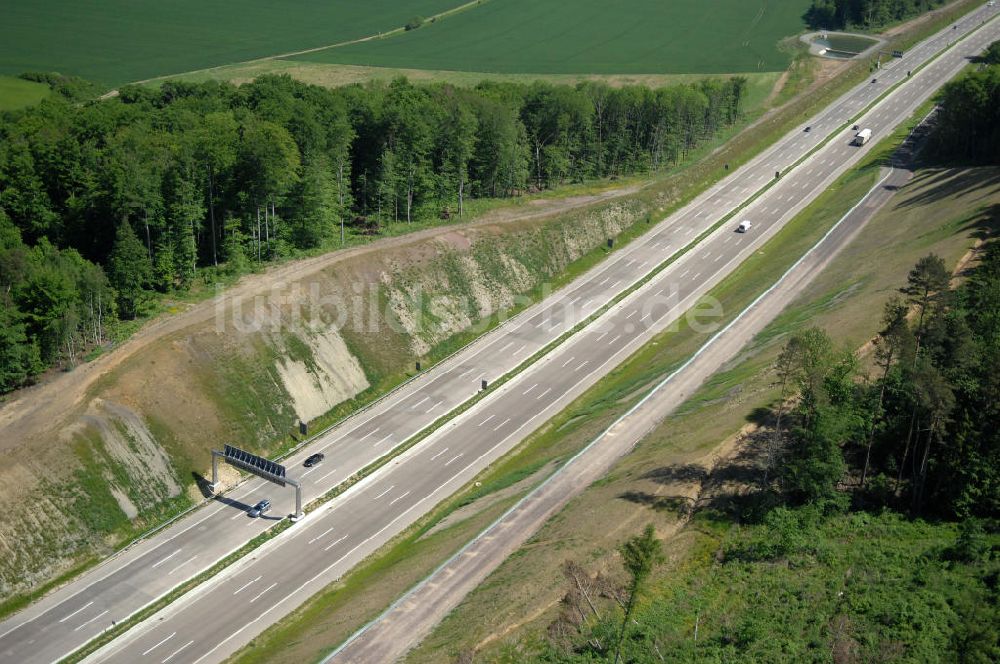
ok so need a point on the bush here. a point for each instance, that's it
(785, 534)
(992, 54)
(972, 544)
(414, 23)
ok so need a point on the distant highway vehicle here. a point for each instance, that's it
(314, 459)
(744, 226)
(862, 137)
(808, 128)
(260, 509)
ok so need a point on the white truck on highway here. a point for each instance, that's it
(862, 137)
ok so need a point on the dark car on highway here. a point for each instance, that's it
(260, 508)
(314, 459)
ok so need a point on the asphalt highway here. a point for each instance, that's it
(226, 612)
(413, 616)
(217, 620)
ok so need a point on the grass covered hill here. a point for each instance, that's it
(591, 36)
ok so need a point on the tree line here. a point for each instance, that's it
(105, 202)
(916, 430)
(967, 127)
(867, 14)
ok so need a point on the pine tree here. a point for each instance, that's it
(640, 555)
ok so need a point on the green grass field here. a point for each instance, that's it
(17, 93)
(591, 36)
(118, 41)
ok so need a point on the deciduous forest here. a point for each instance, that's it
(866, 14)
(103, 203)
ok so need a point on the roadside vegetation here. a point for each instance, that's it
(969, 130)
(829, 553)
(858, 520)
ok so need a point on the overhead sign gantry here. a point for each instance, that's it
(259, 466)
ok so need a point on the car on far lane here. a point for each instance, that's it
(260, 509)
(314, 459)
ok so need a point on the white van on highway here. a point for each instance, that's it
(744, 226)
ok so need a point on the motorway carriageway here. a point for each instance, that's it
(229, 610)
(353, 527)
